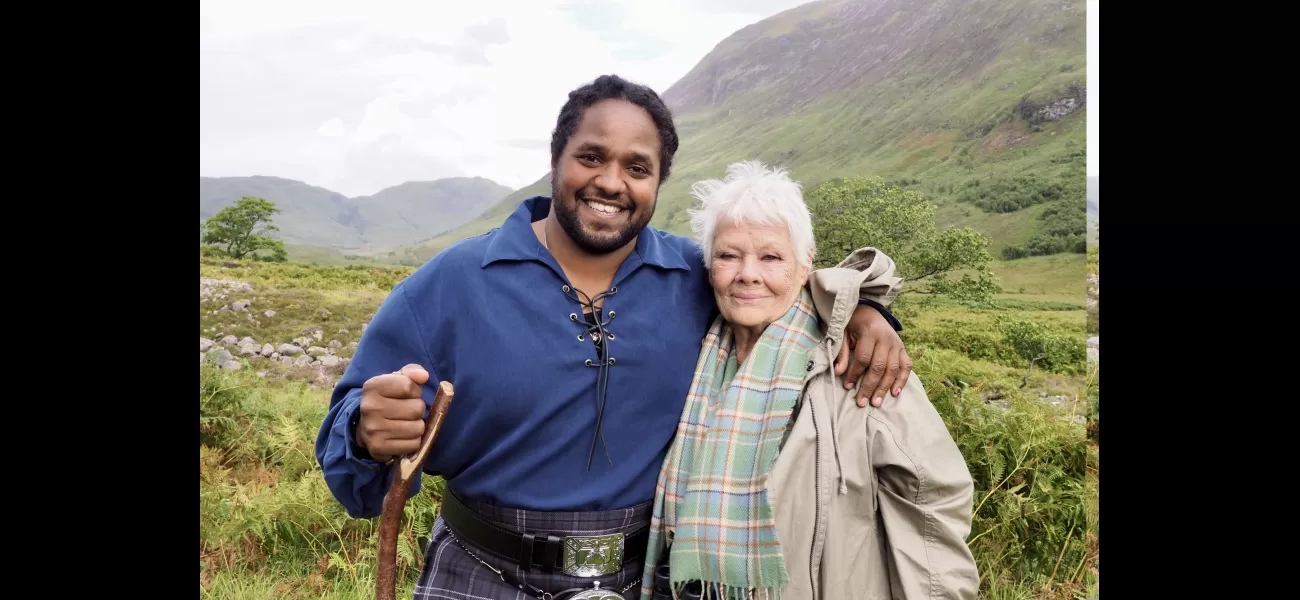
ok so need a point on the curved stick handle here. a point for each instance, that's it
(406, 470)
(411, 464)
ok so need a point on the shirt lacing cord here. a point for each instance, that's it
(598, 332)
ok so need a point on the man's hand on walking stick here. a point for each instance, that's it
(391, 426)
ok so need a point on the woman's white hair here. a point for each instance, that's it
(755, 194)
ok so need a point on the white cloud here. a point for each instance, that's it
(1094, 129)
(358, 96)
(332, 128)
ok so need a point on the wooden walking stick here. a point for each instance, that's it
(390, 520)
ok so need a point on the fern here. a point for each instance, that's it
(996, 463)
(405, 551)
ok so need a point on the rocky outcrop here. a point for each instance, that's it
(229, 352)
(1075, 98)
(223, 289)
(313, 351)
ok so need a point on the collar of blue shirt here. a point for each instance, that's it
(516, 241)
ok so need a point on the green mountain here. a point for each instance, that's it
(978, 103)
(315, 216)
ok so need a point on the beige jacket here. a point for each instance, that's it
(870, 503)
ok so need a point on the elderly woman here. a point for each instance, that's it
(777, 484)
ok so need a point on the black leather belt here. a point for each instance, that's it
(578, 556)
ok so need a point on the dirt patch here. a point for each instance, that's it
(940, 140)
(1003, 136)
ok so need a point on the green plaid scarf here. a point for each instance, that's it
(712, 487)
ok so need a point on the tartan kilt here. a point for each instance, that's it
(450, 573)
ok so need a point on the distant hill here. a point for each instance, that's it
(401, 214)
(936, 94)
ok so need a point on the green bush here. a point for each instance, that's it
(1064, 229)
(1030, 465)
(1005, 340)
(1039, 346)
(973, 339)
(1015, 193)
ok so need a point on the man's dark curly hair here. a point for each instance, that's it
(608, 87)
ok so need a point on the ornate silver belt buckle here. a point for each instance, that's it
(595, 593)
(592, 556)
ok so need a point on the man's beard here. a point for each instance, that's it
(597, 243)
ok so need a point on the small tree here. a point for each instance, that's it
(865, 211)
(235, 230)
(1033, 342)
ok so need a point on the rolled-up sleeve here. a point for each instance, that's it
(925, 498)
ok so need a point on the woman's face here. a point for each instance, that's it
(755, 274)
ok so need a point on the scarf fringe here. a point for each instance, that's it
(718, 591)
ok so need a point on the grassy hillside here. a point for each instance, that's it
(268, 526)
(315, 216)
(322, 255)
(1094, 196)
(938, 94)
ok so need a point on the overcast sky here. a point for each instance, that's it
(358, 96)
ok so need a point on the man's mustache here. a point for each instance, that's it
(618, 200)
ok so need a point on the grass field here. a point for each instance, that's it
(269, 528)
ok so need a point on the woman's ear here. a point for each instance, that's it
(808, 269)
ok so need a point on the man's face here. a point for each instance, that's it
(605, 181)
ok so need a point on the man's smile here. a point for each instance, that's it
(602, 208)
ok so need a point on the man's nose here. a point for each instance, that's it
(608, 180)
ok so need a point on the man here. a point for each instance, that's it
(570, 334)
